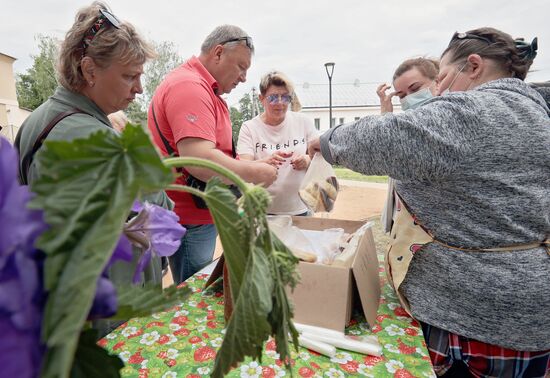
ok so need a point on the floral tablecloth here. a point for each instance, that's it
(182, 342)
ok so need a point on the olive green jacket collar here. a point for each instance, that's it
(79, 101)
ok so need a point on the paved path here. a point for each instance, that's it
(364, 184)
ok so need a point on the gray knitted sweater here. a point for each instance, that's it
(474, 167)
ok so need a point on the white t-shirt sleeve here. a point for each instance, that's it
(245, 145)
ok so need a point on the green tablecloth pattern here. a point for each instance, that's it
(182, 342)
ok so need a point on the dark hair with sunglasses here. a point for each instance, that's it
(512, 56)
(97, 33)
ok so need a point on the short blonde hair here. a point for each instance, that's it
(279, 79)
(124, 45)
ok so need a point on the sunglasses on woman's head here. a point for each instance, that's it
(461, 36)
(282, 98)
(103, 18)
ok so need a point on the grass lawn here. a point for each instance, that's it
(348, 174)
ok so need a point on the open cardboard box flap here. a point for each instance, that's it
(325, 295)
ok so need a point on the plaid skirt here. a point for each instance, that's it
(481, 359)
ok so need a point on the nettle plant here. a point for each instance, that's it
(58, 238)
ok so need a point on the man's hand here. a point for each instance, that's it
(300, 162)
(313, 147)
(385, 99)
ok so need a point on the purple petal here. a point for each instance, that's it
(8, 168)
(123, 251)
(105, 300)
(20, 226)
(21, 293)
(20, 352)
(137, 206)
(163, 230)
(142, 263)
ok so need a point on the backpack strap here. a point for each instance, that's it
(28, 157)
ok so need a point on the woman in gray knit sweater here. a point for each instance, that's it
(473, 175)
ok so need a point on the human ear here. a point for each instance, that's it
(476, 64)
(88, 68)
(217, 52)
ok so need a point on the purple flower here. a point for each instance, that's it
(105, 301)
(13, 206)
(21, 266)
(156, 230)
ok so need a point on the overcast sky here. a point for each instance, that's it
(366, 39)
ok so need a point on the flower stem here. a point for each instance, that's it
(203, 163)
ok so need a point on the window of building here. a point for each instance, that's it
(357, 118)
(317, 123)
(333, 122)
(341, 120)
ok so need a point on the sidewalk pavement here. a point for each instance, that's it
(364, 184)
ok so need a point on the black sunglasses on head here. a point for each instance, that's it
(462, 36)
(103, 18)
(248, 41)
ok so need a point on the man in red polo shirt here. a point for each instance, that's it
(188, 117)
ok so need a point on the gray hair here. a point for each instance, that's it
(222, 34)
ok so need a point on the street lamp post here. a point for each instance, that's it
(330, 70)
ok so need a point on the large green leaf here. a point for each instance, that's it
(248, 327)
(260, 268)
(232, 228)
(92, 360)
(86, 189)
(136, 301)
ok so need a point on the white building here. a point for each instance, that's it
(11, 115)
(349, 102)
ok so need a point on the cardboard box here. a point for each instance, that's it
(326, 294)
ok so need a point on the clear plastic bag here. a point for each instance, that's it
(321, 247)
(319, 188)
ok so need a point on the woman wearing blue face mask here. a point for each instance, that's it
(470, 247)
(414, 82)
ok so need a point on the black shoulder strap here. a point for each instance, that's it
(169, 148)
(27, 158)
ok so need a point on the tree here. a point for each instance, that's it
(136, 113)
(236, 122)
(249, 107)
(39, 82)
(167, 59)
(154, 72)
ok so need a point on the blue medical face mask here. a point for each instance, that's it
(416, 99)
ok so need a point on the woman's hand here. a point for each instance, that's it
(118, 120)
(300, 162)
(385, 99)
(277, 158)
(313, 147)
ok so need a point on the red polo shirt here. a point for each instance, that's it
(186, 106)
